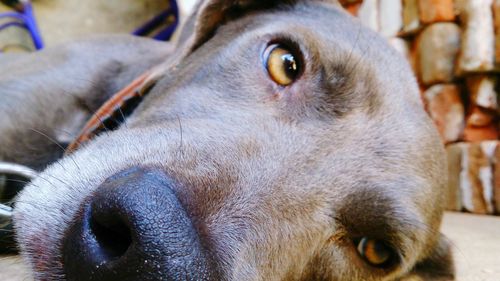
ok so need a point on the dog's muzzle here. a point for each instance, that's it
(134, 228)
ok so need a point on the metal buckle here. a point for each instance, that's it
(13, 178)
(5, 216)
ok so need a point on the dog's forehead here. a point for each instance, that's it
(323, 28)
(333, 38)
(218, 76)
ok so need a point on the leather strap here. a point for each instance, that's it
(113, 109)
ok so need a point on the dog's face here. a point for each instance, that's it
(286, 143)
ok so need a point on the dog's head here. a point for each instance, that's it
(284, 142)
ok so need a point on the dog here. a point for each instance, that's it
(278, 140)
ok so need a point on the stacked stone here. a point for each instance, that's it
(454, 49)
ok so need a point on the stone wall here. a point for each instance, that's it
(454, 49)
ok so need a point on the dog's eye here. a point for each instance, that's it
(282, 65)
(375, 252)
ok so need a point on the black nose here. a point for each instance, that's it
(134, 228)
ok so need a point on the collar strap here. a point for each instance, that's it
(113, 112)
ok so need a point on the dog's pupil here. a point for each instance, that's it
(375, 252)
(290, 66)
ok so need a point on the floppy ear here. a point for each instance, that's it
(211, 14)
(438, 266)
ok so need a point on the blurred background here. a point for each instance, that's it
(60, 21)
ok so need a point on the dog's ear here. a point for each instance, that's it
(211, 14)
(438, 266)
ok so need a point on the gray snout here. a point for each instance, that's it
(134, 228)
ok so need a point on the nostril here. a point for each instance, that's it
(112, 235)
(134, 228)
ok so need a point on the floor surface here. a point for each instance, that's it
(476, 242)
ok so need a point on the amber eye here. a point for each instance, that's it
(282, 65)
(375, 252)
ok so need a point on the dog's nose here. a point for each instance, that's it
(134, 228)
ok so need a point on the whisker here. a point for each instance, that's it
(49, 138)
(181, 134)
(67, 133)
(106, 129)
(37, 205)
(124, 118)
(58, 179)
(19, 181)
(355, 45)
(59, 145)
